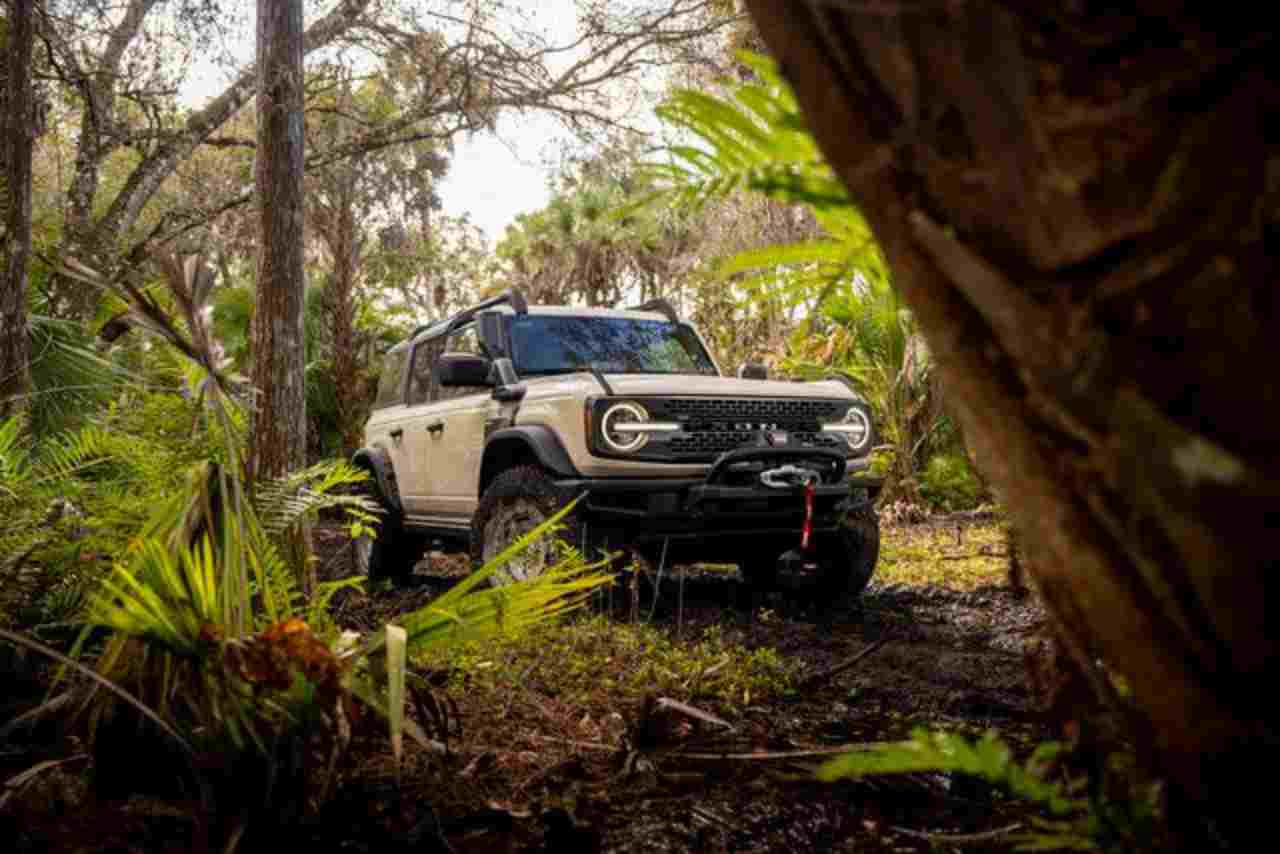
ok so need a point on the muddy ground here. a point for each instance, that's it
(531, 768)
(534, 773)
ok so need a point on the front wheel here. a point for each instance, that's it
(842, 561)
(514, 504)
(389, 554)
(850, 553)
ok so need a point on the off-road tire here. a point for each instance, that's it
(390, 554)
(850, 554)
(518, 499)
(759, 566)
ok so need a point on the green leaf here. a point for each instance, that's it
(397, 643)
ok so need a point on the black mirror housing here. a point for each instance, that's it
(463, 369)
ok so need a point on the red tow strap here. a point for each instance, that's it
(806, 532)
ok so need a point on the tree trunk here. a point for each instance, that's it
(1077, 209)
(279, 419)
(278, 441)
(17, 134)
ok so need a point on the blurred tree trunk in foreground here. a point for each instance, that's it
(1077, 208)
(17, 136)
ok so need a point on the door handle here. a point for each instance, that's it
(435, 427)
(397, 433)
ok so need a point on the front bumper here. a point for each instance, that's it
(729, 502)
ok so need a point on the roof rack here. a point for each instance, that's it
(512, 297)
(661, 306)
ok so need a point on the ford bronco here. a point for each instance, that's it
(487, 423)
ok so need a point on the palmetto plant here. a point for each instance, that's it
(756, 140)
(201, 629)
(867, 335)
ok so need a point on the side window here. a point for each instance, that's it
(424, 361)
(389, 381)
(465, 340)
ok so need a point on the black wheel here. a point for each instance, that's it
(759, 566)
(849, 555)
(515, 502)
(390, 553)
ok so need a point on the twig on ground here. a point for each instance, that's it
(712, 818)
(16, 783)
(691, 711)
(779, 755)
(957, 838)
(825, 675)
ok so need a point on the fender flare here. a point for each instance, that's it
(544, 444)
(377, 462)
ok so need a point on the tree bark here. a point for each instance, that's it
(1077, 209)
(17, 136)
(278, 444)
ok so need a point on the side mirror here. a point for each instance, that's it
(463, 369)
(753, 371)
(507, 387)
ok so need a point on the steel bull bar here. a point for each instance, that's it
(747, 491)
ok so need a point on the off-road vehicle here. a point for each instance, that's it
(487, 423)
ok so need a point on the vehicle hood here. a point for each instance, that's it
(668, 385)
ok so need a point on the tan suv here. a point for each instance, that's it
(487, 423)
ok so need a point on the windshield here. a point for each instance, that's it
(559, 344)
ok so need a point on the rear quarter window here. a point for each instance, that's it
(391, 380)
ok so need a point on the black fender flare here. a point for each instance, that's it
(509, 442)
(378, 463)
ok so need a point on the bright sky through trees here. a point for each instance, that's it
(491, 177)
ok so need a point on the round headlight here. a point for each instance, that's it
(623, 413)
(859, 434)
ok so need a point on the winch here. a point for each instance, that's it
(789, 477)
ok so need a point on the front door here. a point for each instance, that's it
(414, 458)
(458, 416)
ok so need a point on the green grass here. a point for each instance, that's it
(594, 662)
(920, 555)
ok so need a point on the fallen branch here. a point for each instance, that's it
(957, 838)
(585, 745)
(825, 675)
(781, 755)
(691, 711)
(15, 784)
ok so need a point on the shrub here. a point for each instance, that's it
(949, 484)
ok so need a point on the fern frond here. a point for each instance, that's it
(303, 495)
(988, 758)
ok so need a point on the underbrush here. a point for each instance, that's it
(596, 664)
(959, 557)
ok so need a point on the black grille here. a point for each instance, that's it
(712, 426)
(716, 442)
(770, 411)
